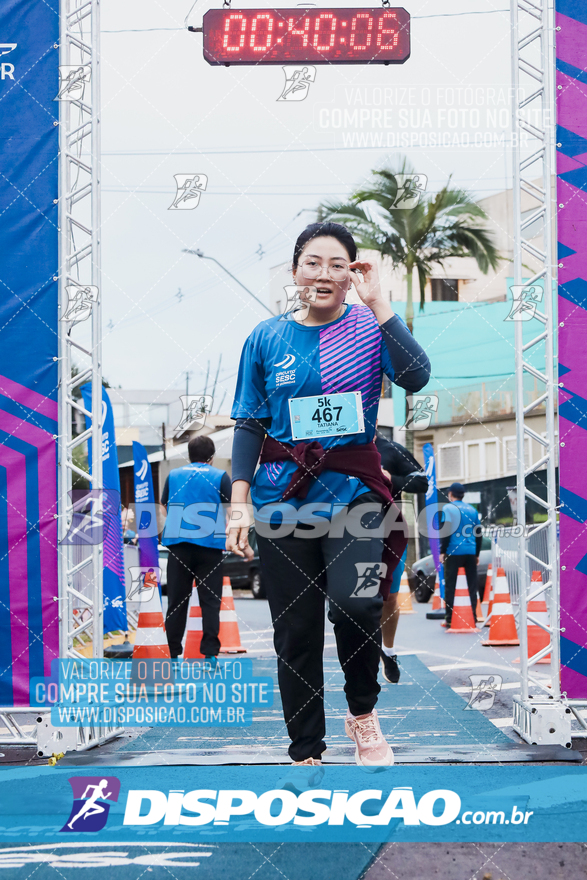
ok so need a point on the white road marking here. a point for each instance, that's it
(469, 665)
(502, 722)
(467, 688)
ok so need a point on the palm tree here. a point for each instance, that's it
(439, 227)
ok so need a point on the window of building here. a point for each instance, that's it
(445, 289)
(482, 459)
(450, 461)
(511, 454)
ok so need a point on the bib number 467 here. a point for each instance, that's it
(324, 411)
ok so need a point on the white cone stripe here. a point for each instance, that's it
(228, 616)
(195, 624)
(226, 590)
(150, 636)
(501, 608)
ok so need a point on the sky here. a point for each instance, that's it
(166, 111)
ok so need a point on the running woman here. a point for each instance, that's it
(307, 395)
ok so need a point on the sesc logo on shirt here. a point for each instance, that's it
(286, 376)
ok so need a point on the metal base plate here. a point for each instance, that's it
(494, 754)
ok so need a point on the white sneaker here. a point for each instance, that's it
(372, 749)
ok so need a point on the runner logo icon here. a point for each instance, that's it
(368, 578)
(484, 689)
(90, 802)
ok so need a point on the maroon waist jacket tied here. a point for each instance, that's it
(358, 460)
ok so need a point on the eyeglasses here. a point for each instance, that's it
(312, 269)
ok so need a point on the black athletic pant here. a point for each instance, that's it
(187, 562)
(298, 573)
(451, 569)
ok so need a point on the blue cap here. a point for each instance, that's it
(456, 489)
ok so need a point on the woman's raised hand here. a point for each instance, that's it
(369, 289)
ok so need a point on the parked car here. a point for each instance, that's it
(243, 573)
(423, 574)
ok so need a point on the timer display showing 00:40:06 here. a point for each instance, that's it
(314, 36)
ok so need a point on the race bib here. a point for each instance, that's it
(327, 416)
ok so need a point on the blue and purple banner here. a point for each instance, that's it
(432, 518)
(29, 636)
(114, 589)
(571, 100)
(146, 515)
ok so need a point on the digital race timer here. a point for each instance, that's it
(315, 36)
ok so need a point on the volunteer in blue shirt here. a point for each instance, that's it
(307, 394)
(460, 548)
(196, 540)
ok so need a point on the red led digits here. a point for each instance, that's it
(390, 32)
(297, 33)
(326, 17)
(306, 36)
(360, 32)
(234, 17)
(257, 18)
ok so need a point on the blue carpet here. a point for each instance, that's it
(421, 711)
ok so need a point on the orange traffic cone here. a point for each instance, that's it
(404, 596)
(437, 601)
(438, 605)
(150, 641)
(487, 620)
(230, 640)
(502, 628)
(462, 620)
(538, 638)
(479, 611)
(193, 638)
(488, 582)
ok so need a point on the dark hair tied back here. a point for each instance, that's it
(319, 230)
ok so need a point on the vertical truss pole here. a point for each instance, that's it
(533, 118)
(79, 339)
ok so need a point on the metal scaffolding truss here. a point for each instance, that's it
(80, 361)
(541, 716)
(80, 560)
(80, 356)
